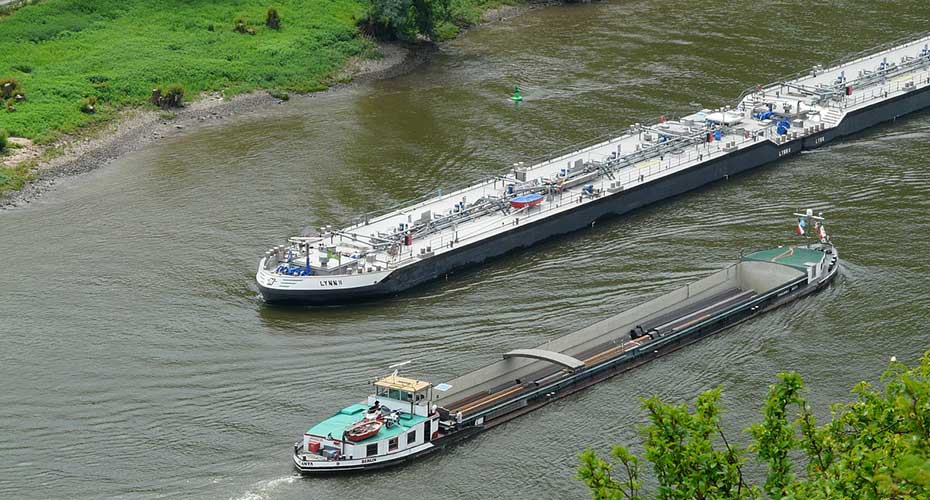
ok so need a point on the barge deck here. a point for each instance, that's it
(385, 253)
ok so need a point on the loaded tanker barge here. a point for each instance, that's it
(406, 418)
(382, 254)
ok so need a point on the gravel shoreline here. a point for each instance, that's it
(138, 128)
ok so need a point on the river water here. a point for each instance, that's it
(138, 360)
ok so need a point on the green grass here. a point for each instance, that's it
(14, 178)
(63, 51)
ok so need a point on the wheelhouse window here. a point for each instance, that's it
(392, 444)
(411, 437)
(371, 450)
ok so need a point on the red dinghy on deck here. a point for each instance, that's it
(363, 430)
(527, 200)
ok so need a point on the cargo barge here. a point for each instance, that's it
(383, 254)
(407, 418)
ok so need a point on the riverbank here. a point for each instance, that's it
(134, 129)
(40, 165)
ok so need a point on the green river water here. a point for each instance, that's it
(138, 360)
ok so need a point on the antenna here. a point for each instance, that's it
(810, 214)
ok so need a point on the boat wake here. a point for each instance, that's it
(262, 490)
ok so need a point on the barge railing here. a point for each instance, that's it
(617, 135)
(862, 55)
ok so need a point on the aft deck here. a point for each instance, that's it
(337, 424)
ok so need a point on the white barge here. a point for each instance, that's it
(407, 418)
(379, 255)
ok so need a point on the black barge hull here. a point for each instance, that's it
(762, 153)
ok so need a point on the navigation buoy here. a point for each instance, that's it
(516, 97)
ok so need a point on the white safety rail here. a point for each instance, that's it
(817, 101)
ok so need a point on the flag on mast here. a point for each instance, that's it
(801, 224)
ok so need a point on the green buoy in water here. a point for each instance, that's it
(516, 94)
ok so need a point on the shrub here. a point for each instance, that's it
(9, 87)
(174, 96)
(272, 20)
(242, 26)
(407, 20)
(171, 97)
(3, 142)
(88, 105)
(24, 68)
(279, 94)
(210, 27)
(10, 105)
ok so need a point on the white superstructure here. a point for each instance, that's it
(807, 106)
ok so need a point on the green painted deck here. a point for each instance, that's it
(347, 416)
(795, 257)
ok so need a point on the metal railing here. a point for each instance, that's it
(619, 134)
(878, 50)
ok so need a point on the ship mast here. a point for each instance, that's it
(808, 223)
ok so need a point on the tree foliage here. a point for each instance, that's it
(407, 19)
(877, 447)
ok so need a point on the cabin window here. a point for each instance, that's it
(394, 394)
(392, 444)
(371, 450)
(411, 437)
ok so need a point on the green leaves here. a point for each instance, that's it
(597, 475)
(877, 447)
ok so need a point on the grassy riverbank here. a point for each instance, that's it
(64, 52)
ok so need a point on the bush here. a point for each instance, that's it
(876, 447)
(272, 20)
(171, 97)
(9, 87)
(410, 20)
(174, 95)
(3, 140)
(279, 94)
(242, 26)
(88, 105)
